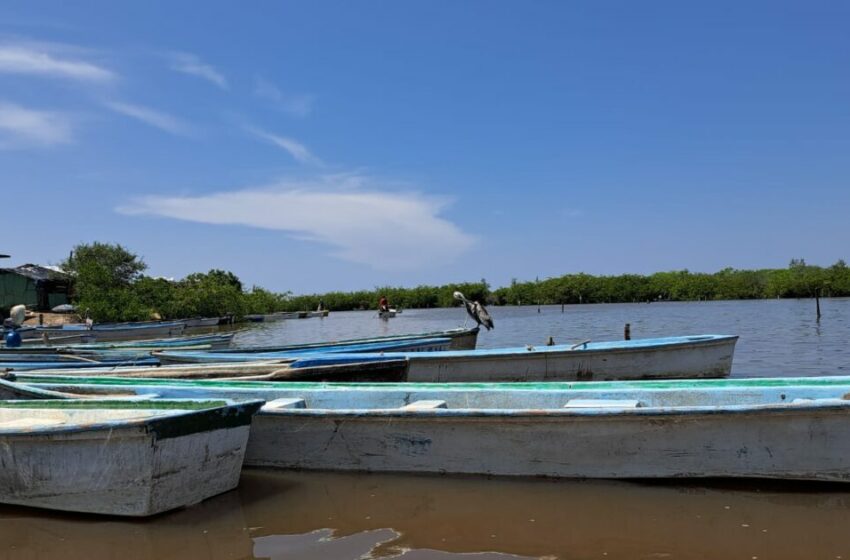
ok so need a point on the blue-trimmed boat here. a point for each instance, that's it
(202, 357)
(788, 428)
(120, 457)
(104, 332)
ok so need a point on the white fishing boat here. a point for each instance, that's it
(120, 457)
(648, 358)
(785, 428)
(105, 332)
(201, 322)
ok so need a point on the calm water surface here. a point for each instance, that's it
(302, 515)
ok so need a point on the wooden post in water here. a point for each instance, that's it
(817, 303)
(550, 342)
(627, 331)
(562, 308)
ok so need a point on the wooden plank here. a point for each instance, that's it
(602, 403)
(279, 404)
(425, 405)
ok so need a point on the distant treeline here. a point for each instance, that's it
(109, 283)
(796, 281)
(799, 280)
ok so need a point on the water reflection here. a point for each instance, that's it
(323, 544)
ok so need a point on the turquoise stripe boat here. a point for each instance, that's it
(461, 339)
(787, 428)
(412, 345)
(696, 356)
(120, 457)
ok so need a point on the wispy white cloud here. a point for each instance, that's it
(21, 127)
(190, 64)
(297, 150)
(297, 104)
(151, 117)
(367, 224)
(49, 60)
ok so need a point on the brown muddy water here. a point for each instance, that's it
(312, 516)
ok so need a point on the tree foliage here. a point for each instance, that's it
(110, 285)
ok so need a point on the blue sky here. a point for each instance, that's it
(344, 145)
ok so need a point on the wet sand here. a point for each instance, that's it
(305, 516)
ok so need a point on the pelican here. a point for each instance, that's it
(476, 311)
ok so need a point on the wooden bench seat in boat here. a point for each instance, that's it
(602, 403)
(425, 405)
(279, 404)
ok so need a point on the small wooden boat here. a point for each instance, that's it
(88, 341)
(201, 322)
(649, 358)
(276, 316)
(786, 428)
(73, 361)
(316, 368)
(120, 457)
(408, 345)
(461, 339)
(58, 340)
(201, 341)
(388, 314)
(103, 332)
(321, 313)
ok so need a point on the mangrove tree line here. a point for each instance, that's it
(109, 283)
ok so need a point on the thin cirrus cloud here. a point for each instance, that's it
(365, 225)
(190, 64)
(43, 60)
(151, 117)
(22, 127)
(297, 150)
(294, 104)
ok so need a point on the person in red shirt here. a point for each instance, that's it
(383, 304)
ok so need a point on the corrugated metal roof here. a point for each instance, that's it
(37, 272)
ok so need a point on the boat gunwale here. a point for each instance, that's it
(622, 347)
(36, 379)
(171, 409)
(590, 412)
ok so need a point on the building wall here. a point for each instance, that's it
(15, 289)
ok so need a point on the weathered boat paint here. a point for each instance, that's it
(461, 339)
(108, 331)
(201, 322)
(794, 428)
(204, 385)
(318, 368)
(671, 357)
(412, 345)
(120, 457)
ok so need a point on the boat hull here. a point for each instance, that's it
(792, 428)
(136, 470)
(202, 322)
(106, 334)
(703, 357)
(787, 444)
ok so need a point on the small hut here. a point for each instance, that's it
(38, 287)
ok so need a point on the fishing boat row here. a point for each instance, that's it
(788, 428)
(429, 360)
(166, 424)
